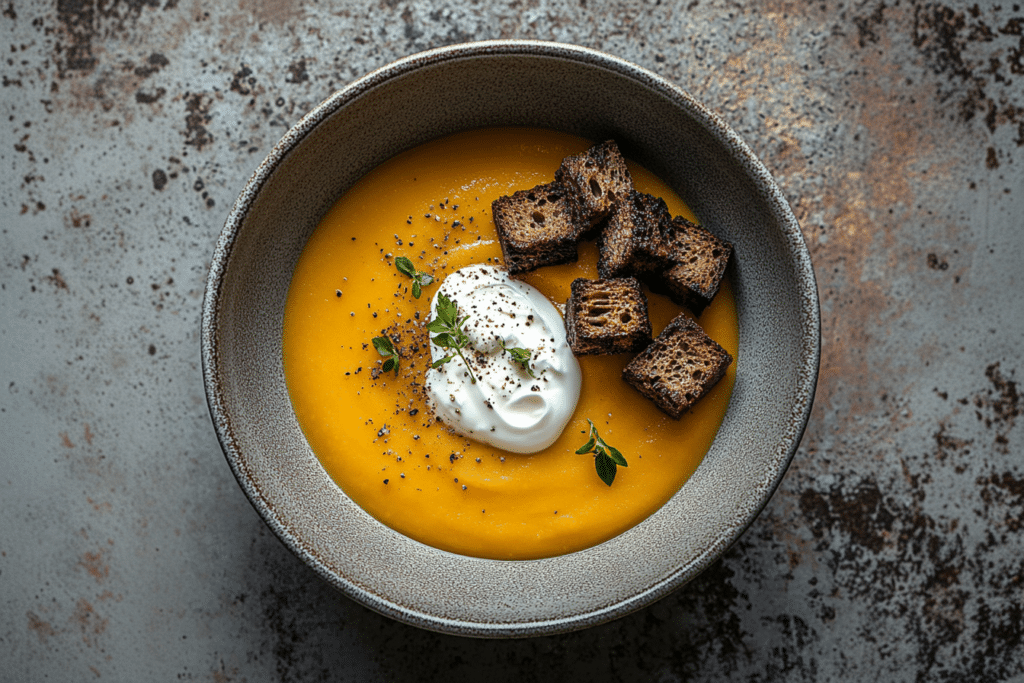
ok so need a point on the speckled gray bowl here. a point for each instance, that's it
(487, 84)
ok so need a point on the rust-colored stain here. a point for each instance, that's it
(297, 72)
(1001, 405)
(105, 506)
(95, 563)
(220, 676)
(279, 12)
(75, 219)
(946, 444)
(1005, 491)
(90, 624)
(41, 628)
(197, 118)
(57, 280)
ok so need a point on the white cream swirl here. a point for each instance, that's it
(506, 408)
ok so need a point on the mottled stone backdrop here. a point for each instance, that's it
(893, 549)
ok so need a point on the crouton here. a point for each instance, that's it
(698, 260)
(598, 181)
(607, 316)
(628, 244)
(535, 228)
(679, 367)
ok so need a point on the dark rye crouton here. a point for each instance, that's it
(607, 316)
(535, 228)
(698, 261)
(598, 181)
(679, 367)
(628, 244)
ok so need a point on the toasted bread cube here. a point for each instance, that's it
(679, 367)
(698, 261)
(598, 181)
(628, 244)
(607, 316)
(535, 228)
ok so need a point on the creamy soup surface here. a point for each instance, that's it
(373, 431)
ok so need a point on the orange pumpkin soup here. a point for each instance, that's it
(372, 430)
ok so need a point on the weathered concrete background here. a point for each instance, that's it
(893, 550)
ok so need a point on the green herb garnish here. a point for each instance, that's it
(606, 458)
(447, 327)
(521, 356)
(387, 349)
(419, 278)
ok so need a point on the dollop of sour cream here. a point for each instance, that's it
(506, 407)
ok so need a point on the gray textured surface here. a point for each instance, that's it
(893, 549)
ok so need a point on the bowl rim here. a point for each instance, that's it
(810, 319)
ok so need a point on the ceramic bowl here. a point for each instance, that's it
(502, 83)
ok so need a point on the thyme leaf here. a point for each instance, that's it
(607, 459)
(387, 350)
(419, 278)
(521, 356)
(448, 332)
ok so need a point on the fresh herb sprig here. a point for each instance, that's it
(607, 459)
(387, 349)
(448, 333)
(419, 278)
(521, 356)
